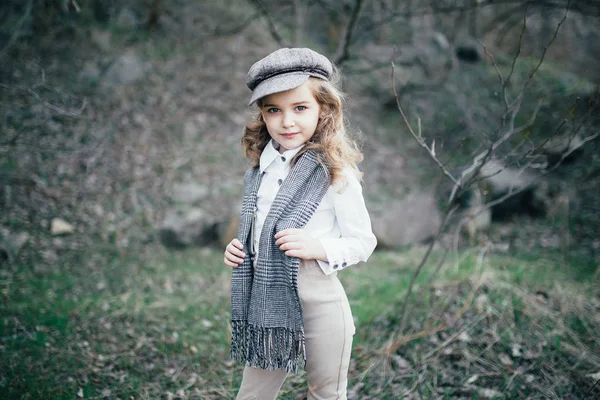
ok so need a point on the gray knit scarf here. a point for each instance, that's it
(267, 321)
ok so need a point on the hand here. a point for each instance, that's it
(298, 243)
(234, 255)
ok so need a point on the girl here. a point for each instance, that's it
(303, 219)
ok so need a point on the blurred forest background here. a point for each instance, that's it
(121, 175)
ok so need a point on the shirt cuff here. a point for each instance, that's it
(335, 260)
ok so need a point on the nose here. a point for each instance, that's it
(288, 120)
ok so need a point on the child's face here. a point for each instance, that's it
(291, 116)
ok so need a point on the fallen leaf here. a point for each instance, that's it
(530, 355)
(80, 393)
(401, 363)
(489, 393)
(472, 379)
(505, 359)
(464, 337)
(515, 350)
(595, 376)
(229, 363)
(61, 227)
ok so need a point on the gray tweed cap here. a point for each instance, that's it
(286, 69)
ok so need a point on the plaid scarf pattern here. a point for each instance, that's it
(267, 320)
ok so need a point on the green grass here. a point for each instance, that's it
(155, 324)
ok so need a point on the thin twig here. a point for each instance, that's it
(270, 24)
(494, 63)
(588, 8)
(402, 316)
(590, 391)
(534, 72)
(344, 45)
(237, 29)
(44, 102)
(418, 137)
(570, 151)
(17, 29)
(453, 337)
(516, 57)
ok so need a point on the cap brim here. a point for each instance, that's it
(278, 83)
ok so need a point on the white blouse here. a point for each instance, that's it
(341, 222)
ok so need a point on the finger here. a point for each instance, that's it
(234, 259)
(287, 239)
(295, 253)
(237, 244)
(291, 246)
(290, 231)
(233, 250)
(229, 263)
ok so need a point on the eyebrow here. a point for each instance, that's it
(294, 104)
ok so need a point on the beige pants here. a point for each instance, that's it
(328, 327)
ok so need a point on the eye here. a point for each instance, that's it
(273, 110)
(301, 108)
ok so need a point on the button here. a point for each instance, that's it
(283, 158)
(279, 181)
(344, 264)
(335, 266)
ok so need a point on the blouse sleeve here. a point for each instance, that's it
(357, 241)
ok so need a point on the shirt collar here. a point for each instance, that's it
(270, 153)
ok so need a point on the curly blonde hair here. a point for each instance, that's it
(335, 149)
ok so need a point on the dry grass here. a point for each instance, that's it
(155, 325)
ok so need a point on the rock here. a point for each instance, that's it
(101, 39)
(568, 146)
(11, 244)
(530, 191)
(469, 50)
(189, 193)
(531, 194)
(126, 69)
(127, 19)
(477, 217)
(411, 220)
(61, 227)
(487, 393)
(187, 227)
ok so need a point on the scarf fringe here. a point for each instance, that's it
(268, 348)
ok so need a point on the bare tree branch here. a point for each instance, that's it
(236, 29)
(584, 7)
(534, 72)
(299, 16)
(346, 40)
(44, 102)
(270, 24)
(418, 137)
(402, 316)
(17, 28)
(471, 174)
(516, 57)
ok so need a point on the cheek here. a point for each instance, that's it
(269, 123)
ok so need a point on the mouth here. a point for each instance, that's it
(289, 135)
